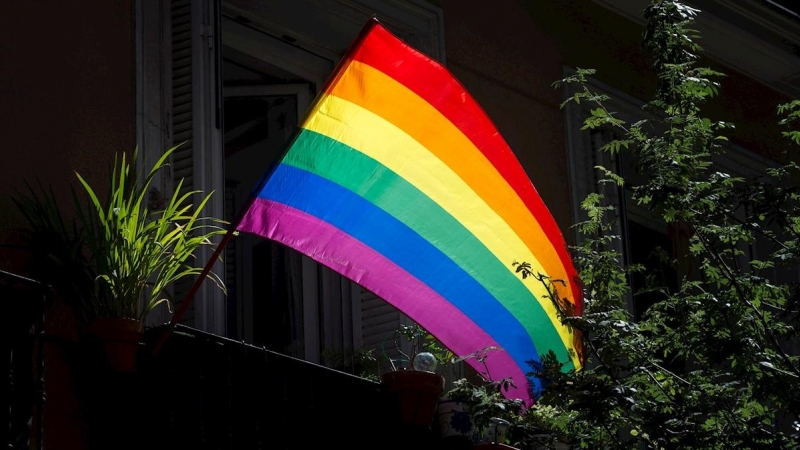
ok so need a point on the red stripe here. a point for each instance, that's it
(434, 83)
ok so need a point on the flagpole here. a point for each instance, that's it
(254, 193)
(190, 295)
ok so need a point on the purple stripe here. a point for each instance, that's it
(350, 257)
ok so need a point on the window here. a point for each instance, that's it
(641, 235)
(231, 80)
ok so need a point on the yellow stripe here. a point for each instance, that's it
(370, 134)
(424, 123)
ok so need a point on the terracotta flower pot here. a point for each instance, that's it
(415, 393)
(119, 338)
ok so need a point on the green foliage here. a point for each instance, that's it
(139, 253)
(484, 396)
(713, 362)
(420, 342)
(123, 255)
(56, 246)
(485, 401)
(360, 362)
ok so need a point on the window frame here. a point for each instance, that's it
(736, 161)
(417, 21)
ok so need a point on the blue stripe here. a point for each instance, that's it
(388, 236)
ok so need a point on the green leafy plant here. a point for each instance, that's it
(360, 362)
(118, 257)
(420, 342)
(485, 401)
(712, 362)
(484, 397)
(56, 246)
(138, 252)
(540, 427)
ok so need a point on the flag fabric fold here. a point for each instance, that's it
(398, 180)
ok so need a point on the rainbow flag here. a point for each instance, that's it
(398, 180)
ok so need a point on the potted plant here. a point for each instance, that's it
(56, 247)
(414, 389)
(475, 408)
(478, 412)
(122, 252)
(453, 412)
(360, 362)
(541, 426)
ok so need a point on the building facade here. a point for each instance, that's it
(228, 80)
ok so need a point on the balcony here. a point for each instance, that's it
(200, 391)
(23, 303)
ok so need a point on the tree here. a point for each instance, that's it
(710, 365)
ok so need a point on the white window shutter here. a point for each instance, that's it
(196, 125)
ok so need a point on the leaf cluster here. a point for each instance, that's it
(420, 342)
(120, 254)
(360, 362)
(713, 362)
(485, 397)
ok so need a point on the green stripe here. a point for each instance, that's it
(376, 183)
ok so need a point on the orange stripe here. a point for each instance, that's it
(398, 105)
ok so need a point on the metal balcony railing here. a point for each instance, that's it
(206, 392)
(23, 302)
(200, 392)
